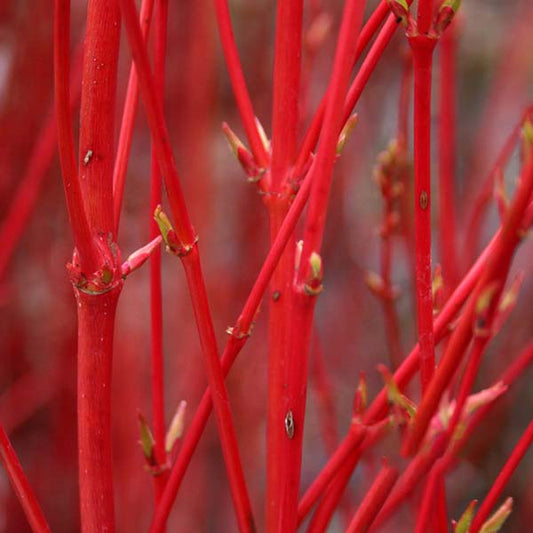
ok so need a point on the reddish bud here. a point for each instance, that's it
(140, 256)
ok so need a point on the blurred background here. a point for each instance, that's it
(37, 314)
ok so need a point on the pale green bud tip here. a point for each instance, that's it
(362, 388)
(527, 131)
(394, 395)
(315, 262)
(463, 525)
(163, 222)
(234, 142)
(485, 299)
(262, 134)
(346, 131)
(147, 440)
(453, 4)
(400, 10)
(496, 521)
(438, 281)
(511, 295)
(175, 431)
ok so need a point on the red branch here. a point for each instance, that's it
(21, 486)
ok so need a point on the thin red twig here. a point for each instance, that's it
(503, 477)
(21, 486)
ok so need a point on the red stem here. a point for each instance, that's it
(423, 461)
(86, 247)
(350, 443)
(215, 378)
(302, 301)
(440, 518)
(128, 120)
(156, 304)
(498, 262)
(422, 47)
(332, 497)
(325, 395)
(374, 499)
(426, 511)
(21, 486)
(282, 469)
(415, 471)
(392, 324)
(333, 489)
(191, 262)
(238, 83)
(237, 340)
(25, 397)
(160, 138)
(367, 32)
(424, 16)
(286, 88)
(27, 193)
(97, 114)
(503, 477)
(322, 171)
(96, 319)
(511, 374)
(402, 376)
(473, 227)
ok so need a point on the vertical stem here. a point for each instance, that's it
(286, 86)
(156, 305)
(234, 345)
(424, 16)
(497, 262)
(97, 113)
(96, 318)
(282, 473)
(83, 240)
(422, 47)
(186, 237)
(308, 280)
(21, 486)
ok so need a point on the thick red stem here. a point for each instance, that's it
(424, 16)
(422, 47)
(97, 114)
(283, 469)
(96, 319)
(85, 245)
